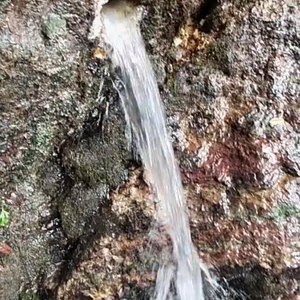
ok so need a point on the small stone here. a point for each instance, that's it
(99, 53)
(54, 26)
(5, 249)
(177, 41)
(118, 259)
(276, 121)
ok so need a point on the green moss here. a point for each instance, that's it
(172, 84)
(62, 78)
(41, 142)
(102, 164)
(79, 208)
(282, 211)
(28, 295)
(217, 51)
(43, 138)
(54, 26)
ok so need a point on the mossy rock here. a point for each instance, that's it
(29, 295)
(78, 209)
(54, 26)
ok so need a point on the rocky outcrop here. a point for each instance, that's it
(79, 209)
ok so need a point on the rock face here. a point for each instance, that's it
(79, 211)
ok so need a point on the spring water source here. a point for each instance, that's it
(145, 115)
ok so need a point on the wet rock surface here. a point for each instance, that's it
(80, 212)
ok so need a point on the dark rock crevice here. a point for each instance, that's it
(204, 15)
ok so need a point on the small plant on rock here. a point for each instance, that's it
(4, 217)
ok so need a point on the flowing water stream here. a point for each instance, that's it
(145, 115)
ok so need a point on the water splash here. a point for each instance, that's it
(145, 115)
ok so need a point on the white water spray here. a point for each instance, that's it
(145, 115)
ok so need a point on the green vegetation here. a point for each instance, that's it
(42, 139)
(41, 142)
(218, 51)
(173, 85)
(282, 211)
(28, 295)
(4, 217)
(54, 26)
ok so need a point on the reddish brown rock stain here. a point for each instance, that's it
(241, 242)
(5, 249)
(236, 160)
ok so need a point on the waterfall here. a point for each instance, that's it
(145, 115)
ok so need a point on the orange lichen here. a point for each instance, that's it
(191, 40)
